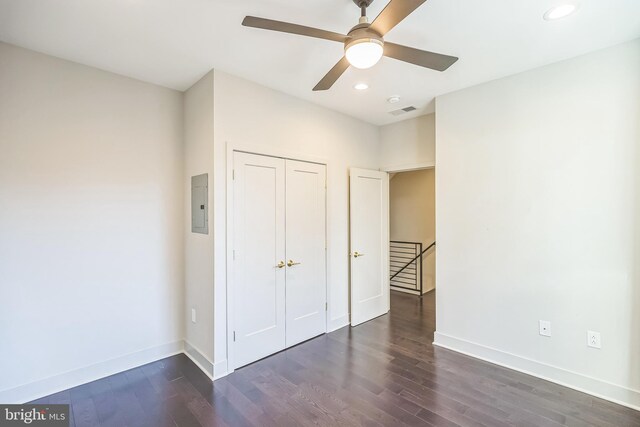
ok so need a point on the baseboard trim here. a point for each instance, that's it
(337, 323)
(54, 384)
(574, 380)
(201, 361)
(220, 369)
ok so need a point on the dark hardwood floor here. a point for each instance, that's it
(384, 372)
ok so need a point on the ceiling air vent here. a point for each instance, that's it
(403, 111)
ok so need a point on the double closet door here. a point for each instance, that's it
(279, 255)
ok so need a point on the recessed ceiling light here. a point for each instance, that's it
(393, 99)
(361, 86)
(560, 11)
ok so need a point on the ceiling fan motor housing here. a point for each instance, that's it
(361, 33)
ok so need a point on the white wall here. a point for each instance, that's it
(538, 217)
(409, 144)
(247, 114)
(198, 255)
(412, 215)
(91, 242)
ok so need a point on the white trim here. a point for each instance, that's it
(76, 377)
(229, 257)
(197, 356)
(583, 383)
(271, 152)
(220, 369)
(338, 322)
(408, 168)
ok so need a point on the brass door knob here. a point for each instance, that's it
(291, 263)
(280, 264)
(357, 254)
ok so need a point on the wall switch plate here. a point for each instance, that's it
(593, 339)
(193, 315)
(545, 328)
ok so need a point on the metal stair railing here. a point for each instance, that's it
(406, 265)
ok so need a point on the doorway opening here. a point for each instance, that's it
(412, 231)
(412, 249)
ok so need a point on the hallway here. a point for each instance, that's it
(383, 372)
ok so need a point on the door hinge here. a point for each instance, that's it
(326, 306)
(234, 254)
(234, 336)
(233, 174)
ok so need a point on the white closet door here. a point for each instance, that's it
(305, 247)
(369, 223)
(259, 284)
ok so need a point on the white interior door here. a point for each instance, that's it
(306, 253)
(369, 223)
(259, 246)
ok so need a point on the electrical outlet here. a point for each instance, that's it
(593, 339)
(545, 328)
(193, 315)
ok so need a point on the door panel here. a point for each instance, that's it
(259, 285)
(369, 224)
(305, 245)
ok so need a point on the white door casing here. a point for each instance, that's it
(259, 246)
(369, 227)
(306, 287)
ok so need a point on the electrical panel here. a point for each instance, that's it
(200, 204)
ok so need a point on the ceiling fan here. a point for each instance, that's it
(364, 44)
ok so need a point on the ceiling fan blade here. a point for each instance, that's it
(333, 75)
(393, 14)
(285, 27)
(423, 58)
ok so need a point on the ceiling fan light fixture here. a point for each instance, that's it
(364, 53)
(364, 43)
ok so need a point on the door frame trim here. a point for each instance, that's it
(229, 285)
(409, 167)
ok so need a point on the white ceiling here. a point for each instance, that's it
(174, 42)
